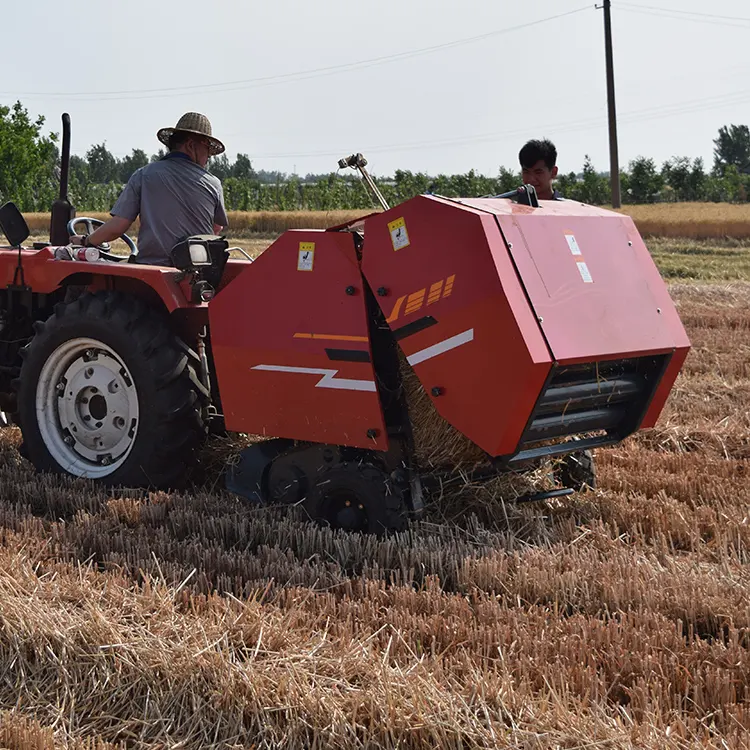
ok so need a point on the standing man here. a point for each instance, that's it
(539, 167)
(175, 196)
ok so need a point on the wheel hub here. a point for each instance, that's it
(87, 407)
(344, 510)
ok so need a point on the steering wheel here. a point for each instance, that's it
(104, 248)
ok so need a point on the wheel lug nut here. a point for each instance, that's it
(69, 440)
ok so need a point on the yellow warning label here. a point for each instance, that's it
(306, 256)
(399, 235)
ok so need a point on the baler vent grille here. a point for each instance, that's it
(597, 402)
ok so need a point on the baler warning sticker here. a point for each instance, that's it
(399, 235)
(573, 244)
(585, 273)
(306, 256)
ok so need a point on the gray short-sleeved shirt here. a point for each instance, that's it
(175, 198)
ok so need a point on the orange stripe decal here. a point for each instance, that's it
(435, 290)
(396, 310)
(415, 301)
(329, 337)
(449, 286)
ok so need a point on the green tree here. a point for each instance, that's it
(594, 187)
(27, 160)
(242, 169)
(645, 181)
(732, 146)
(687, 179)
(103, 165)
(220, 166)
(507, 180)
(130, 164)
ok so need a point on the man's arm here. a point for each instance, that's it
(124, 213)
(107, 232)
(221, 221)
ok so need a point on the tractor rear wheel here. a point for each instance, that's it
(357, 497)
(105, 392)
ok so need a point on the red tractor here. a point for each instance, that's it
(536, 329)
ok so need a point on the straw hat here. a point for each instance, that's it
(193, 122)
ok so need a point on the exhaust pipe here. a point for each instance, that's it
(62, 211)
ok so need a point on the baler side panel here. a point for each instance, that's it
(589, 287)
(617, 305)
(291, 345)
(671, 318)
(460, 315)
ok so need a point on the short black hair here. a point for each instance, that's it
(535, 150)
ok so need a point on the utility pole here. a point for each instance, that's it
(614, 164)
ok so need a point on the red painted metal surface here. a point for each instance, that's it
(457, 270)
(626, 309)
(484, 296)
(517, 285)
(44, 274)
(284, 339)
(590, 280)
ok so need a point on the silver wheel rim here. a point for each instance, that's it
(87, 408)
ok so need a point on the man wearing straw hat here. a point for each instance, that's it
(175, 196)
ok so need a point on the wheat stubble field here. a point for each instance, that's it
(616, 619)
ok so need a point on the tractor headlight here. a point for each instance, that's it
(199, 255)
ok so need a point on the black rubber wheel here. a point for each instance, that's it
(357, 497)
(577, 471)
(106, 392)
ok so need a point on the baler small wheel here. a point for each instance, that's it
(106, 393)
(357, 497)
(577, 471)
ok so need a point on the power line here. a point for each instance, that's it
(229, 86)
(632, 117)
(682, 12)
(674, 16)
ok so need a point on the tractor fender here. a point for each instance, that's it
(155, 288)
(42, 273)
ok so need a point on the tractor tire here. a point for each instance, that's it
(106, 393)
(577, 471)
(357, 497)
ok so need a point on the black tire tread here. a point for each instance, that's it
(176, 427)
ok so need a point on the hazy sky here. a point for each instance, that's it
(123, 70)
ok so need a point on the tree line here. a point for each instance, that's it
(30, 169)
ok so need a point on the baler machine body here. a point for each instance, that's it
(524, 325)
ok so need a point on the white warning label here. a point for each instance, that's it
(399, 235)
(306, 256)
(573, 244)
(583, 269)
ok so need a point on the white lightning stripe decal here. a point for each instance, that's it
(329, 379)
(440, 347)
